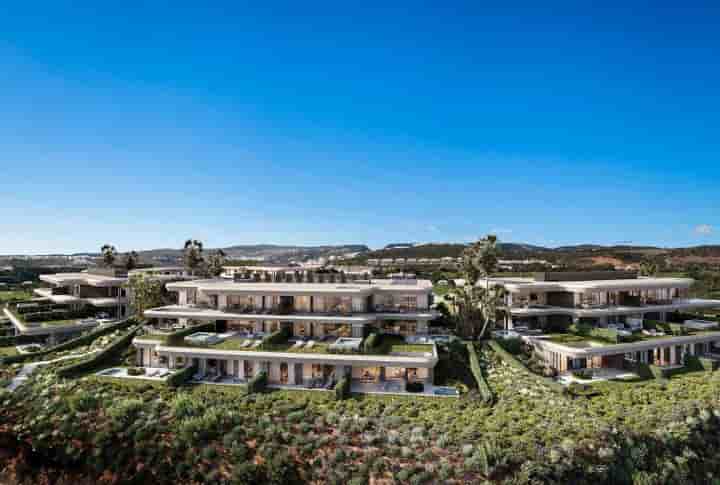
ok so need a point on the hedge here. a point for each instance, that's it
(258, 383)
(84, 339)
(52, 315)
(694, 362)
(278, 337)
(372, 341)
(182, 376)
(99, 358)
(483, 388)
(511, 360)
(342, 389)
(178, 336)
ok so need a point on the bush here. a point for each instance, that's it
(102, 357)
(84, 339)
(277, 337)
(511, 360)
(181, 377)
(483, 388)
(512, 345)
(258, 383)
(342, 389)
(696, 363)
(414, 387)
(371, 342)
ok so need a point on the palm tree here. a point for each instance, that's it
(216, 263)
(131, 260)
(474, 304)
(192, 255)
(109, 254)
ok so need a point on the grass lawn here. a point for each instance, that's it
(7, 351)
(11, 295)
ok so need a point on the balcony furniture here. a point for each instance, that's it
(297, 344)
(310, 344)
(246, 343)
(256, 344)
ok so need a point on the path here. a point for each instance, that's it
(28, 369)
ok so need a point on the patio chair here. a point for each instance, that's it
(256, 344)
(310, 344)
(246, 343)
(297, 344)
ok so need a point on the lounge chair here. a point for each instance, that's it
(246, 343)
(297, 344)
(310, 344)
(256, 344)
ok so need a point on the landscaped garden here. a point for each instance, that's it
(654, 433)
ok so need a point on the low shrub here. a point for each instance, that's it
(414, 387)
(697, 363)
(100, 358)
(512, 345)
(278, 337)
(181, 377)
(342, 389)
(371, 342)
(258, 383)
(511, 360)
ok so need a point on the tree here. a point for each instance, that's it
(649, 267)
(193, 255)
(131, 260)
(476, 305)
(109, 254)
(145, 293)
(216, 261)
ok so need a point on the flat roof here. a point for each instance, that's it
(350, 288)
(62, 279)
(515, 284)
(684, 304)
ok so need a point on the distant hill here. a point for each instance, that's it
(264, 252)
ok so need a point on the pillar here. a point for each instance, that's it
(673, 357)
(258, 326)
(171, 361)
(339, 372)
(203, 365)
(222, 301)
(422, 326)
(291, 372)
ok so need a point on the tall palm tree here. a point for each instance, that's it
(109, 254)
(193, 255)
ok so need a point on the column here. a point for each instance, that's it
(258, 326)
(291, 373)
(171, 361)
(673, 358)
(258, 367)
(339, 372)
(203, 365)
(222, 301)
(422, 326)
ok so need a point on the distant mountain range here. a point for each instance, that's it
(583, 255)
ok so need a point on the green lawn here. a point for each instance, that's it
(11, 295)
(7, 351)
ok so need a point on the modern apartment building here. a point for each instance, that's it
(324, 323)
(603, 319)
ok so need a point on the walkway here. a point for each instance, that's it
(28, 369)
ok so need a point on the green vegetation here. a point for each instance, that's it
(14, 295)
(258, 383)
(7, 351)
(181, 377)
(342, 389)
(483, 388)
(97, 360)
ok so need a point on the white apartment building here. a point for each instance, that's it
(614, 300)
(324, 322)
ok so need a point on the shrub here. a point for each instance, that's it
(277, 337)
(511, 360)
(371, 342)
(342, 389)
(100, 358)
(512, 345)
(414, 387)
(258, 383)
(136, 371)
(483, 388)
(181, 377)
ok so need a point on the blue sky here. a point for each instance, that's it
(327, 123)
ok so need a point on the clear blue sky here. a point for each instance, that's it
(311, 123)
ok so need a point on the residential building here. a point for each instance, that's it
(324, 325)
(607, 318)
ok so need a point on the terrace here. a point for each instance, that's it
(240, 341)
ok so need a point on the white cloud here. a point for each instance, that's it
(704, 229)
